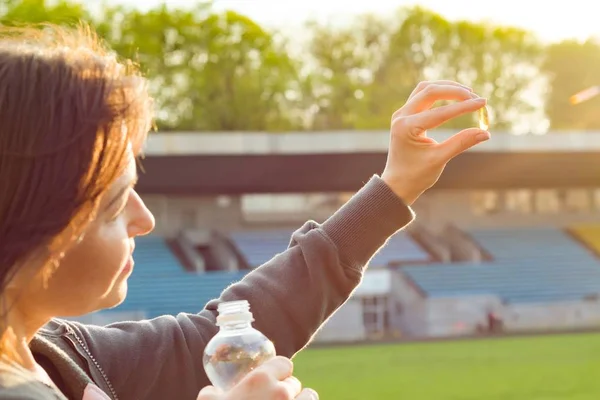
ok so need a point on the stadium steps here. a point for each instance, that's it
(153, 257)
(210, 258)
(160, 285)
(401, 249)
(462, 246)
(186, 254)
(432, 244)
(257, 247)
(204, 251)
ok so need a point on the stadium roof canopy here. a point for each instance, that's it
(190, 143)
(239, 163)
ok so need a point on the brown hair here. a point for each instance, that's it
(69, 110)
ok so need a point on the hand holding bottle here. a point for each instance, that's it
(273, 380)
(242, 364)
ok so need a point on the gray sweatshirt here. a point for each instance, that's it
(291, 297)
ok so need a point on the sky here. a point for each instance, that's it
(551, 21)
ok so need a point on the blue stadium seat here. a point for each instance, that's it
(530, 265)
(153, 257)
(525, 281)
(185, 292)
(400, 248)
(159, 285)
(258, 247)
(530, 243)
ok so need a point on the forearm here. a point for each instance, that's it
(294, 293)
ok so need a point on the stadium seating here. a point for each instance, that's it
(529, 266)
(154, 258)
(159, 285)
(258, 247)
(401, 248)
(530, 243)
(526, 281)
(185, 292)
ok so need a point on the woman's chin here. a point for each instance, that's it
(117, 296)
(113, 299)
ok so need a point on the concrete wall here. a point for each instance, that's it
(577, 314)
(445, 317)
(458, 316)
(346, 325)
(435, 210)
(176, 213)
(226, 213)
(408, 308)
(438, 208)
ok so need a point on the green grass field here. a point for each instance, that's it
(527, 368)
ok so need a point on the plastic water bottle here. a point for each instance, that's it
(237, 348)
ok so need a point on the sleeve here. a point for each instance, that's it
(291, 296)
(28, 391)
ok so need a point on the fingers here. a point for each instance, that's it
(308, 394)
(272, 380)
(422, 85)
(433, 118)
(425, 99)
(279, 367)
(461, 142)
(292, 386)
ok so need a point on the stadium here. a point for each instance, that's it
(269, 114)
(506, 244)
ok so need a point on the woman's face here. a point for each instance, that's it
(93, 273)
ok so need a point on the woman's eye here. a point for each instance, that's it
(118, 213)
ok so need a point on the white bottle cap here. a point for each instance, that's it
(231, 312)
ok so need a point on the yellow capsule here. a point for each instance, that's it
(484, 119)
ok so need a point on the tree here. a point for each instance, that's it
(342, 65)
(18, 12)
(208, 71)
(383, 60)
(572, 66)
(222, 71)
(500, 63)
(414, 45)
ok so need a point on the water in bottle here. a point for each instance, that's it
(237, 348)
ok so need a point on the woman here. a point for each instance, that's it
(72, 121)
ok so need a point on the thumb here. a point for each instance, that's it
(461, 142)
(209, 393)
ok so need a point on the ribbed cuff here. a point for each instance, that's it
(365, 223)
